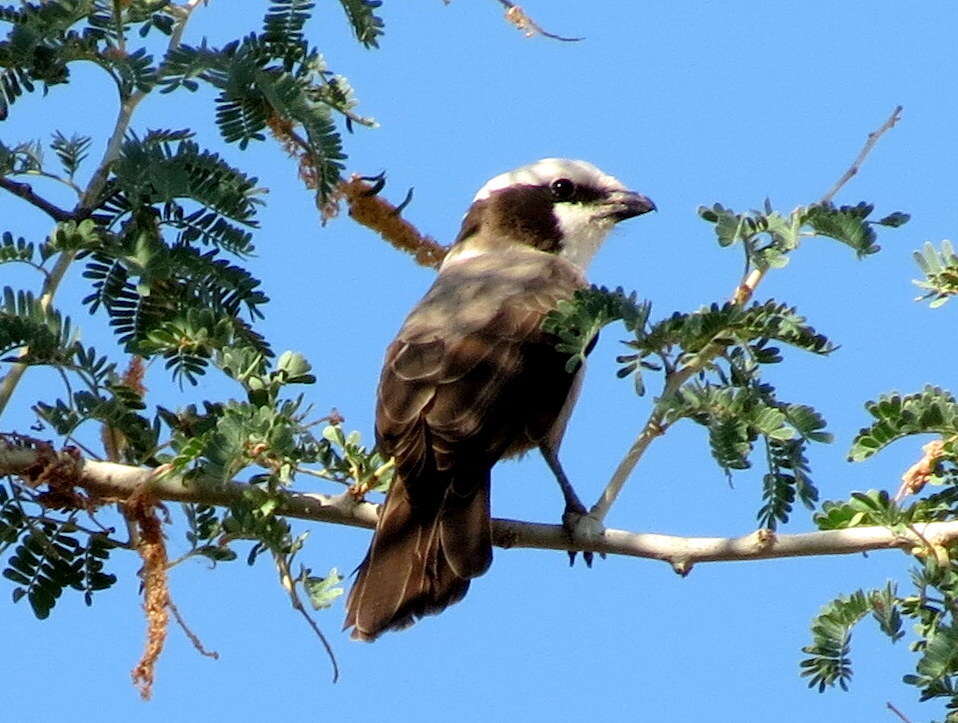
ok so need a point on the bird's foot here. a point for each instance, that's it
(581, 528)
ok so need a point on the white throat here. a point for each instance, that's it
(582, 234)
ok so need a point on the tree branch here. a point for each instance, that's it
(25, 191)
(111, 481)
(653, 427)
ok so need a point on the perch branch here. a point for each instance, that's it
(111, 481)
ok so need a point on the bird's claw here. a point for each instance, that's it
(580, 526)
(378, 181)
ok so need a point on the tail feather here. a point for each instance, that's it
(464, 530)
(421, 558)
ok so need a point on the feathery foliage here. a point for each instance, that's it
(719, 351)
(576, 323)
(366, 25)
(932, 410)
(941, 273)
(829, 661)
(155, 225)
(275, 80)
(768, 236)
(932, 603)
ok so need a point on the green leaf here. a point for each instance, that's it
(323, 591)
(940, 657)
(15, 250)
(14, 82)
(886, 611)
(154, 171)
(576, 323)
(731, 442)
(367, 26)
(729, 226)
(24, 322)
(829, 660)
(933, 410)
(894, 220)
(730, 324)
(278, 81)
(216, 553)
(283, 26)
(47, 562)
(873, 507)
(847, 224)
(941, 273)
(788, 477)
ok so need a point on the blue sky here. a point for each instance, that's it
(690, 103)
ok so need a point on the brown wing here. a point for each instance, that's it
(470, 377)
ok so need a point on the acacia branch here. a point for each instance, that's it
(109, 481)
(654, 427)
(88, 200)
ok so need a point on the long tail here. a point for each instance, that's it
(423, 554)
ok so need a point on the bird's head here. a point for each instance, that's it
(555, 205)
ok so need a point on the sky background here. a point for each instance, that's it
(690, 103)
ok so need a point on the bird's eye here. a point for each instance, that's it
(563, 189)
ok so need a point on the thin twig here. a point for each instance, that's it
(68, 182)
(866, 149)
(193, 637)
(25, 191)
(653, 427)
(897, 712)
(321, 474)
(32, 265)
(289, 584)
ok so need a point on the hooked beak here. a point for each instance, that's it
(627, 204)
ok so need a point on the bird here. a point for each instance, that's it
(472, 378)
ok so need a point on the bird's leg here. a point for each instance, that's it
(575, 512)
